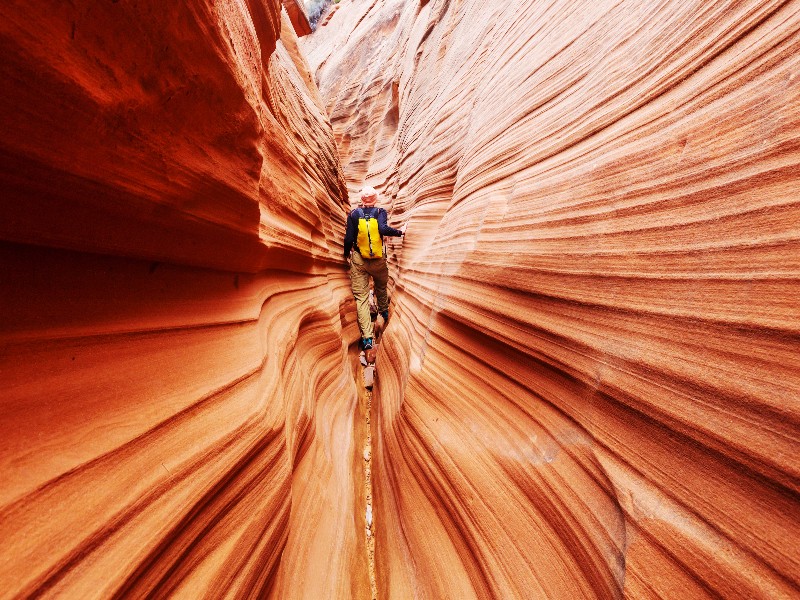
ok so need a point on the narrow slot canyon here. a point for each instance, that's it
(589, 383)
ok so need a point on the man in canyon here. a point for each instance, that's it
(363, 247)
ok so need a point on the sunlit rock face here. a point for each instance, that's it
(176, 409)
(589, 387)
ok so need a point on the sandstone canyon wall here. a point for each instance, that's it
(589, 387)
(176, 414)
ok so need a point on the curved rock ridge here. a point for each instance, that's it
(176, 409)
(590, 384)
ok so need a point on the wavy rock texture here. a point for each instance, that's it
(590, 385)
(176, 409)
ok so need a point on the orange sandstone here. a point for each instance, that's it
(590, 385)
(588, 388)
(176, 419)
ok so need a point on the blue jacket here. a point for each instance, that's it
(352, 227)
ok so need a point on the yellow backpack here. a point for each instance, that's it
(369, 242)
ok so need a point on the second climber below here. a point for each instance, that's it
(363, 247)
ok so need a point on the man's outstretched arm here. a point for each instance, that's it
(383, 226)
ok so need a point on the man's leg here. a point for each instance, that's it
(359, 281)
(380, 275)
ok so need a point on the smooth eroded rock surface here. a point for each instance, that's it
(176, 406)
(590, 384)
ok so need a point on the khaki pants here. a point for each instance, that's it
(360, 271)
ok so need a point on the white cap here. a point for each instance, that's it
(368, 191)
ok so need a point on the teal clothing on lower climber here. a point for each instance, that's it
(361, 269)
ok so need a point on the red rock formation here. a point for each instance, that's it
(297, 15)
(589, 387)
(176, 417)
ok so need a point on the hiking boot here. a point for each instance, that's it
(366, 344)
(370, 355)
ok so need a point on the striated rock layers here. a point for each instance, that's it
(176, 417)
(590, 385)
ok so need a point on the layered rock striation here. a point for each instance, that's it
(589, 387)
(176, 409)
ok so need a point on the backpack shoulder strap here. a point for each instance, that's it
(359, 213)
